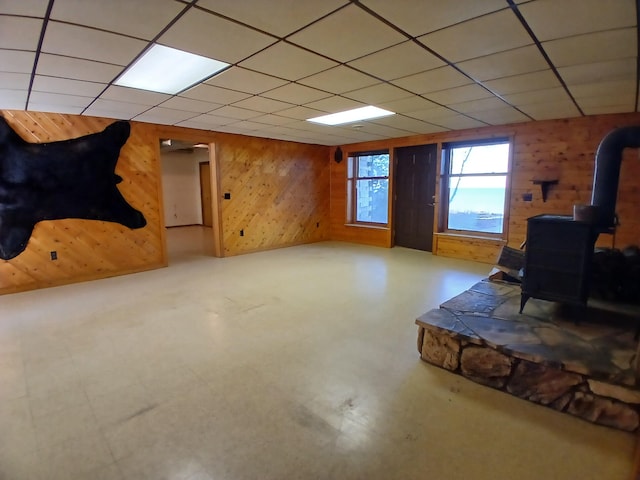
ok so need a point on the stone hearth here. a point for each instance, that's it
(579, 362)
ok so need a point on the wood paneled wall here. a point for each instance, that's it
(279, 194)
(279, 197)
(562, 149)
(90, 249)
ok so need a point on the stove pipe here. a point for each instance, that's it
(607, 173)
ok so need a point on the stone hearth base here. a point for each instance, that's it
(579, 362)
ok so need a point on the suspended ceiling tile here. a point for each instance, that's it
(300, 113)
(537, 96)
(12, 99)
(418, 17)
(472, 106)
(15, 81)
(72, 101)
(76, 68)
(189, 105)
(249, 125)
(511, 62)
(408, 105)
(594, 47)
(551, 110)
(481, 36)
(408, 124)
(287, 61)
(459, 122)
(66, 86)
(31, 8)
(335, 104)
(262, 104)
(398, 61)
(20, 33)
(243, 80)
(115, 108)
(606, 109)
(210, 121)
(209, 93)
(382, 130)
(278, 18)
(347, 34)
(191, 123)
(133, 95)
(164, 116)
(501, 116)
(377, 94)
(339, 80)
(355, 136)
(139, 18)
(523, 83)
(230, 111)
(552, 19)
(214, 37)
(433, 80)
(599, 71)
(621, 87)
(274, 120)
(459, 94)
(296, 94)
(55, 108)
(431, 114)
(16, 61)
(623, 100)
(104, 113)
(62, 39)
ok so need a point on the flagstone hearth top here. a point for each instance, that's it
(595, 342)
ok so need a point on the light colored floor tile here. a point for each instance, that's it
(297, 363)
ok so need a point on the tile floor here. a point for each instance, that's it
(297, 363)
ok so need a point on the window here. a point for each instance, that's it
(368, 188)
(474, 185)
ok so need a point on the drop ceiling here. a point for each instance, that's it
(439, 65)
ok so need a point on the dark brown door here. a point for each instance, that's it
(415, 189)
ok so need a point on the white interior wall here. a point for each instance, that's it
(181, 186)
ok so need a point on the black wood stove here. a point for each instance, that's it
(559, 249)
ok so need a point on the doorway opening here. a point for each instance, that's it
(189, 179)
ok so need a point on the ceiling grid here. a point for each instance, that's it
(438, 65)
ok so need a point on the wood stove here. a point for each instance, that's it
(558, 259)
(559, 249)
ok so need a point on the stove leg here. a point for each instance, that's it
(523, 300)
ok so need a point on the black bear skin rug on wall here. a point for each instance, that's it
(66, 179)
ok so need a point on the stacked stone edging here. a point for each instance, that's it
(549, 385)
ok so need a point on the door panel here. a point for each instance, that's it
(415, 188)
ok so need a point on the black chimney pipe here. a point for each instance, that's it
(607, 173)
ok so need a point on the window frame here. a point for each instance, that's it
(352, 186)
(446, 175)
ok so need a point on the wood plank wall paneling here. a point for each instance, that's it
(280, 197)
(89, 249)
(563, 149)
(279, 194)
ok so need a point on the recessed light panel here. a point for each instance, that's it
(348, 116)
(168, 70)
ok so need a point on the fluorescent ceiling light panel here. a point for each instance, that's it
(355, 115)
(168, 70)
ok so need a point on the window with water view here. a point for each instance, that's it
(474, 186)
